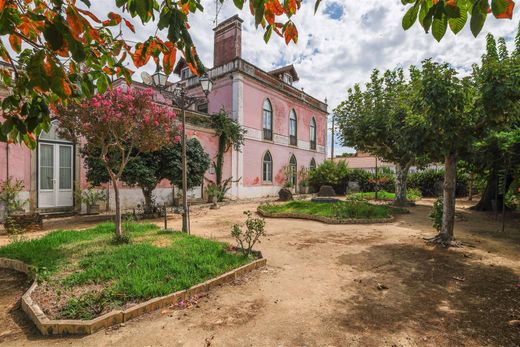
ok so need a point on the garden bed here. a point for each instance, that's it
(382, 195)
(82, 275)
(341, 212)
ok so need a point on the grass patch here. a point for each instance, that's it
(338, 210)
(133, 272)
(383, 195)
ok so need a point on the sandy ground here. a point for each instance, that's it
(320, 288)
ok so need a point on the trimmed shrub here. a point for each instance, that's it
(430, 181)
(330, 173)
(367, 181)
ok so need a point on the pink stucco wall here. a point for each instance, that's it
(19, 158)
(254, 95)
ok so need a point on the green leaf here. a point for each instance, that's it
(456, 24)
(239, 3)
(268, 32)
(410, 17)
(499, 6)
(427, 21)
(86, 2)
(316, 5)
(102, 84)
(478, 16)
(53, 36)
(439, 27)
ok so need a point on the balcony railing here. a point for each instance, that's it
(268, 134)
(293, 141)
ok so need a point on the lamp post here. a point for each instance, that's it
(177, 94)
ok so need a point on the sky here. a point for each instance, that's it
(339, 45)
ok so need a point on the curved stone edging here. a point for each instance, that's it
(323, 219)
(48, 326)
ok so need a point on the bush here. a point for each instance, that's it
(367, 181)
(246, 239)
(330, 173)
(436, 214)
(430, 181)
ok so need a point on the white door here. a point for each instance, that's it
(55, 175)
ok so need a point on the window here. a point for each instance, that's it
(267, 120)
(267, 168)
(185, 73)
(53, 134)
(287, 78)
(293, 171)
(312, 165)
(203, 108)
(313, 133)
(293, 129)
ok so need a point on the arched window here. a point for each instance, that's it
(267, 168)
(293, 171)
(267, 120)
(293, 129)
(312, 165)
(313, 133)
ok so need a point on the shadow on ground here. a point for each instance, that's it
(438, 294)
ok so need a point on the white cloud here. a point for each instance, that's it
(332, 55)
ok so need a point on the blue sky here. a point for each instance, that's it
(340, 44)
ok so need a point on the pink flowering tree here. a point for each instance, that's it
(119, 125)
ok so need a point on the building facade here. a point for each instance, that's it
(286, 132)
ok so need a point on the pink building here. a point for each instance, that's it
(286, 131)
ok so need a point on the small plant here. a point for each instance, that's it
(413, 194)
(10, 190)
(436, 214)
(246, 239)
(91, 197)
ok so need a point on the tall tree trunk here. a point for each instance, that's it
(400, 187)
(148, 199)
(119, 229)
(448, 211)
(471, 182)
(491, 193)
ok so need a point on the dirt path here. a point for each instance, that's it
(321, 288)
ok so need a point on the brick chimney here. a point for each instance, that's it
(228, 41)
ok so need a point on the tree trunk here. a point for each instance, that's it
(491, 193)
(119, 229)
(148, 199)
(470, 186)
(448, 211)
(400, 186)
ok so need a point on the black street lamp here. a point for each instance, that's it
(177, 94)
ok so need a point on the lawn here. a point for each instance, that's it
(338, 210)
(89, 275)
(383, 195)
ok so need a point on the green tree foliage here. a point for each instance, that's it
(329, 173)
(437, 15)
(374, 120)
(497, 152)
(146, 170)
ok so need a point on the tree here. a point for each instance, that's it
(146, 170)
(444, 105)
(117, 126)
(374, 120)
(499, 88)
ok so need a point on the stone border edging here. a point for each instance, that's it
(48, 326)
(322, 219)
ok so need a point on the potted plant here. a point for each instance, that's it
(91, 197)
(303, 181)
(15, 218)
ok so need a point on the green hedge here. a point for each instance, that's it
(430, 181)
